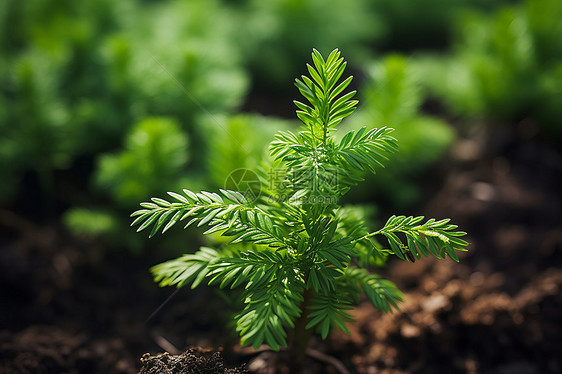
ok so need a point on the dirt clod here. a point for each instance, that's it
(192, 361)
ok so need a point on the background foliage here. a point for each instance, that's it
(504, 65)
(103, 103)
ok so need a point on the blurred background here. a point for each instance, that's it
(104, 104)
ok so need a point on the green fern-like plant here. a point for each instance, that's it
(304, 260)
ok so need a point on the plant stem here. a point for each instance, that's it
(301, 336)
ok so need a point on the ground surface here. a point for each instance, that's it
(80, 306)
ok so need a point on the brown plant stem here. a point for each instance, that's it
(301, 336)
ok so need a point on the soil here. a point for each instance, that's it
(78, 305)
(192, 361)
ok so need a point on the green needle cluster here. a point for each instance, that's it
(301, 261)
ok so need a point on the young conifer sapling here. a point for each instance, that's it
(299, 259)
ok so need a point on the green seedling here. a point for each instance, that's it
(299, 259)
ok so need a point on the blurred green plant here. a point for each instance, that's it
(506, 66)
(181, 66)
(422, 25)
(33, 123)
(91, 223)
(277, 35)
(393, 94)
(237, 142)
(76, 75)
(154, 157)
(306, 259)
(49, 64)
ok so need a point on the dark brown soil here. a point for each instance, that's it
(192, 361)
(80, 306)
